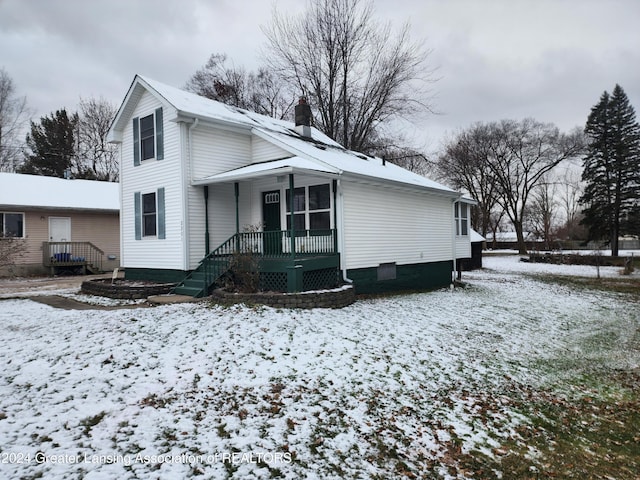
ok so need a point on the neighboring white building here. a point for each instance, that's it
(196, 174)
(65, 224)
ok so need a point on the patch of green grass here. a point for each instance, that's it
(591, 434)
(620, 284)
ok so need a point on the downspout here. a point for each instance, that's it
(195, 123)
(236, 191)
(206, 220)
(340, 228)
(186, 242)
(454, 273)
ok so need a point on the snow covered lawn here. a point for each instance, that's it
(396, 387)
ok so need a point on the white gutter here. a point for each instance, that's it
(340, 231)
(454, 274)
(186, 240)
(195, 123)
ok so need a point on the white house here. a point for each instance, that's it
(203, 179)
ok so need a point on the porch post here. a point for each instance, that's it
(236, 188)
(292, 229)
(294, 272)
(206, 219)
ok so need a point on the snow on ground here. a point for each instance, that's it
(510, 263)
(378, 389)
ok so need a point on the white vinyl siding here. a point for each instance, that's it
(216, 151)
(263, 151)
(463, 247)
(222, 217)
(385, 225)
(152, 252)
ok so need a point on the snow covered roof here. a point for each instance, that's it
(475, 236)
(276, 167)
(349, 162)
(324, 153)
(30, 191)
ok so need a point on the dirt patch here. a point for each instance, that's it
(66, 303)
(24, 286)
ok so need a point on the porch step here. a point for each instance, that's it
(191, 291)
(194, 284)
(92, 268)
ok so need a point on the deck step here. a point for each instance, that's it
(191, 291)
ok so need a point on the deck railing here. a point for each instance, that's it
(72, 254)
(272, 244)
(278, 243)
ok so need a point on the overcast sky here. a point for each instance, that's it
(547, 59)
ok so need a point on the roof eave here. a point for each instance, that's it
(136, 89)
(58, 208)
(265, 173)
(397, 183)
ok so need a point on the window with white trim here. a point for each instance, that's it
(462, 218)
(311, 207)
(148, 137)
(149, 214)
(11, 225)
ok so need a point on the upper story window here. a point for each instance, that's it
(462, 218)
(11, 224)
(148, 137)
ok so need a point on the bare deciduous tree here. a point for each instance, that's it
(512, 158)
(11, 249)
(521, 154)
(408, 158)
(14, 116)
(541, 215)
(260, 92)
(463, 165)
(570, 190)
(96, 158)
(356, 72)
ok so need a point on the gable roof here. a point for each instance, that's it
(322, 154)
(19, 191)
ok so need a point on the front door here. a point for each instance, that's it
(271, 221)
(59, 229)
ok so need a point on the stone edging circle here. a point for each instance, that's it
(336, 298)
(123, 290)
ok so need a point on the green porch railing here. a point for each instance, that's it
(278, 243)
(271, 244)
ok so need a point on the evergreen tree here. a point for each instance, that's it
(611, 169)
(53, 145)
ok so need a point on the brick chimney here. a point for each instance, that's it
(303, 117)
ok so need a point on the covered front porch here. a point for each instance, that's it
(285, 230)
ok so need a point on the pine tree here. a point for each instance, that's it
(611, 169)
(53, 145)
